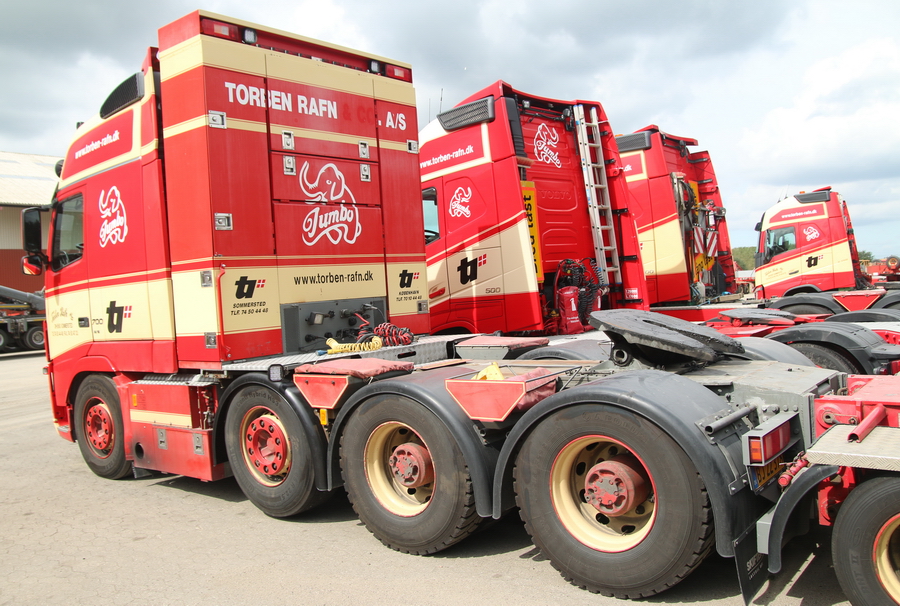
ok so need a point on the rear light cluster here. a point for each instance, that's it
(766, 447)
(229, 31)
(769, 440)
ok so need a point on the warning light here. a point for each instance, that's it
(398, 73)
(220, 29)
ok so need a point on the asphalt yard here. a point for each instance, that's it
(70, 537)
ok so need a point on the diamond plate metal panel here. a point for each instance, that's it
(879, 450)
(423, 351)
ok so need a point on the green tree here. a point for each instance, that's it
(865, 255)
(744, 257)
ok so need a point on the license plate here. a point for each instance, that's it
(760, 476)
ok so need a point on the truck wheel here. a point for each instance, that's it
(5, 340)
(99, 429)
(612, 501)
(34, 338)
(269, 454)
(866, 543)
(406, 477)
(826, 358)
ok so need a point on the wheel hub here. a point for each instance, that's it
(266, 445)
(411, 465)
(98, 426)
(616, 486)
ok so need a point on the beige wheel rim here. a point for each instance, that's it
(585, 523)
(393, 495)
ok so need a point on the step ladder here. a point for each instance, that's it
(593, 168)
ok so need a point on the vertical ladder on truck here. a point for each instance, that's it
(593, 168)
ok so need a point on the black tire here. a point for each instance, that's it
(5, 339)
(33, 338)
(806, 309)
(269, 453)
(827, 358)
(865, 544)
(419, 517)
(651, 544)
(99, 430)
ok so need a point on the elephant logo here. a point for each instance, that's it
(339, 223)
(545, 142)
(459, 204)
(115, 224)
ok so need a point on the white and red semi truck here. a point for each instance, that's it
(235, 284)
(680, 216)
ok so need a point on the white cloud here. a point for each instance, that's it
(843, 121)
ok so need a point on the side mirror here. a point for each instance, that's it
(758, 227)
(31, 231)
(33, 265)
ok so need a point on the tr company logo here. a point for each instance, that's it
(246, 287)
(545, 142)
(114, 227)
(459, 203)
(115, 316)
(338, 224)
(468, 268)
(407, 277)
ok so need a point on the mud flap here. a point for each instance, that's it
(752, 566)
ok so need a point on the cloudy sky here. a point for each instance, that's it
(786, 96)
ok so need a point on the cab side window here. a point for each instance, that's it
(780, 240)
(68, 233)
(430, 212)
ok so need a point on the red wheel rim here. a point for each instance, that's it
(411, 465)
(99, 428)
(265, 446)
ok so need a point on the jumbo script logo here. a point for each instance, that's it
(545, 142)
(811, 233)
(459, 203)
(336, 224)
(115, 223)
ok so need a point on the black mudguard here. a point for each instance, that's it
(428, 390)
(673, 403)
(864, 347)
(760, 348)
(575, 349)
(822, 299)
(885, 314)
(801, 486)
(318, 443)
(890, 299)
